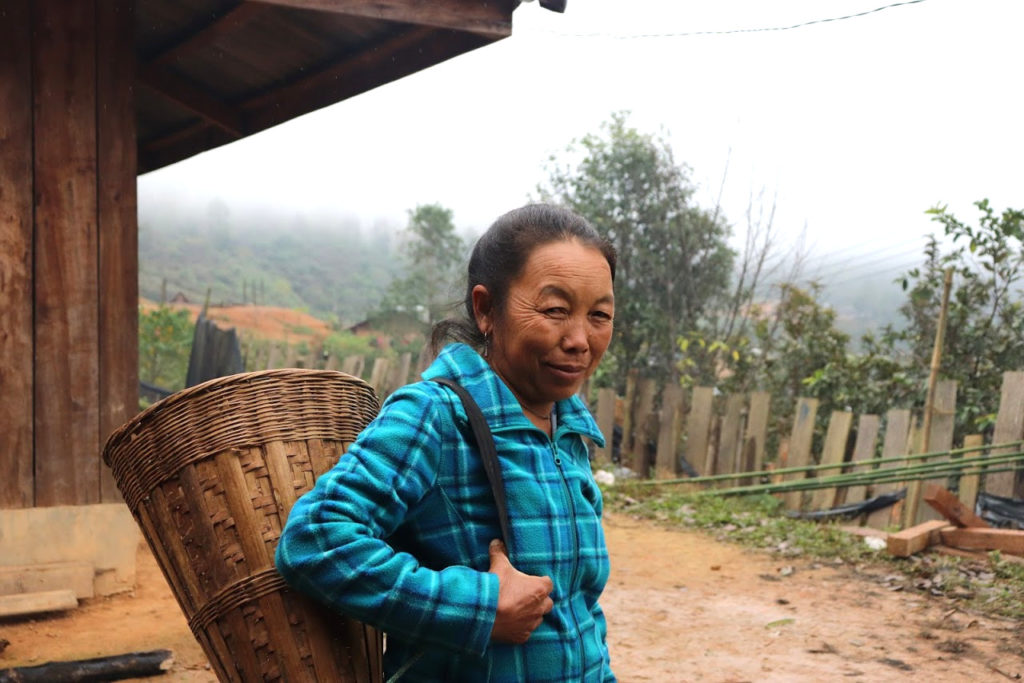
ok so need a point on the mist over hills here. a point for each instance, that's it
(338, 268)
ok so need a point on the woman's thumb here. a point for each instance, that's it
(497, 552)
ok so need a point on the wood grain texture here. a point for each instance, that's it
(833, 452)
(66, 294)
(940, 438)
(1009, 427)
(16, 340)
(118, 227)
(868, 427)
(800, 446)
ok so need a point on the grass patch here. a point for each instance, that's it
(992, 586)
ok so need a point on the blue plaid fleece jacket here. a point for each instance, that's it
(397, 533)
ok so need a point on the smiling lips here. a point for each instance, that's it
(570, 370)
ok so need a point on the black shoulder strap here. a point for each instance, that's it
(485, 442)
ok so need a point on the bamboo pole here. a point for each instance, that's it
(830, 466)
(914, 490)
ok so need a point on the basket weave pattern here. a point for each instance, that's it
(210, 474)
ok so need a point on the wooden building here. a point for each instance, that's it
(93, 92)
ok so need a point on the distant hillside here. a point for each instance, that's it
(332, 268)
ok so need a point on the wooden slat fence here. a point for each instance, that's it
(664, 430)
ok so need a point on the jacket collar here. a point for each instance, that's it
(461, 363)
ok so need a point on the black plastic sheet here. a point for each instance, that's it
(1000, 512)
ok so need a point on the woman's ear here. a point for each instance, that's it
(482, 309)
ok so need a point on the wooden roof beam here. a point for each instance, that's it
(489, 18)
(192, 98)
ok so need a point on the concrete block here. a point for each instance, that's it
(104, 536)
(33, 578)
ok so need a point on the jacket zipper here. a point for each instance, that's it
(575, 549)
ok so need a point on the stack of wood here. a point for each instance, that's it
(961, 532)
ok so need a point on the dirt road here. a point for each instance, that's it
(681, 607)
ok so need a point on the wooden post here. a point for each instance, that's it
(833, 452)
(628, 437)
(644, 432)
(379, 374)
(940, 438)
(698, 428)
(729, 440)
(16, 247)
(668, 433)
(757, 426)
(606, 423)
(800, 447)
(1009, 427)
(897, 434)
(353, 365)
(904, 513)
(863, 453)
(968, 491)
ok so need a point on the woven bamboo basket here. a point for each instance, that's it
(210, 474)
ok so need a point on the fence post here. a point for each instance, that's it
(860, 461)
(665, 465)
(968, 490)
(643, 427)
(833, 452)
(897, 435)
(1009, 427)
(606, 423)
(729, 439)
(800, 447)
(629, 403)
(757, 426)
(940, 438)
(698, 429)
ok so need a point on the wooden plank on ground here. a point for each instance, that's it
(833, 452)
(698, 430)
(666, 466)
(968, 491)
(757, 426)
(729, 438)
(16, 342)
(1009, 427)
(800, 447)
(67, 465)
(117, 226)
(915, 539)
(897, 430)
(1009, 541)
(868, 427)
(606, 423)
(949, 506)
(940, 438)
(22, 604)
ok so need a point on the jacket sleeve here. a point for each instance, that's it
(333, 549)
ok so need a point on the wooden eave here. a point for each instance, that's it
(212, 73)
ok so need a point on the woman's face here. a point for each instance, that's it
(556, 324)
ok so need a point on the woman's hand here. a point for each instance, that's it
(523, 600)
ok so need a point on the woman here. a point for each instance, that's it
(401, 533)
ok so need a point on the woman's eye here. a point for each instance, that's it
(601, 315)
(556, 311)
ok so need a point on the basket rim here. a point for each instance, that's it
(211, 385)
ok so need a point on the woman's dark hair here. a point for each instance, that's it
(500, 254)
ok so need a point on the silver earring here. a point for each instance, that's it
(487, 344)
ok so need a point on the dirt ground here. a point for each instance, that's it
(681, 606)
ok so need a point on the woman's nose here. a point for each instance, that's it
(575, 337)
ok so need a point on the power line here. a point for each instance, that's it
(765, 29)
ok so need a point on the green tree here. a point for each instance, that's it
(985, 321)
(434, 255)
(673, 261)
(165, 340)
